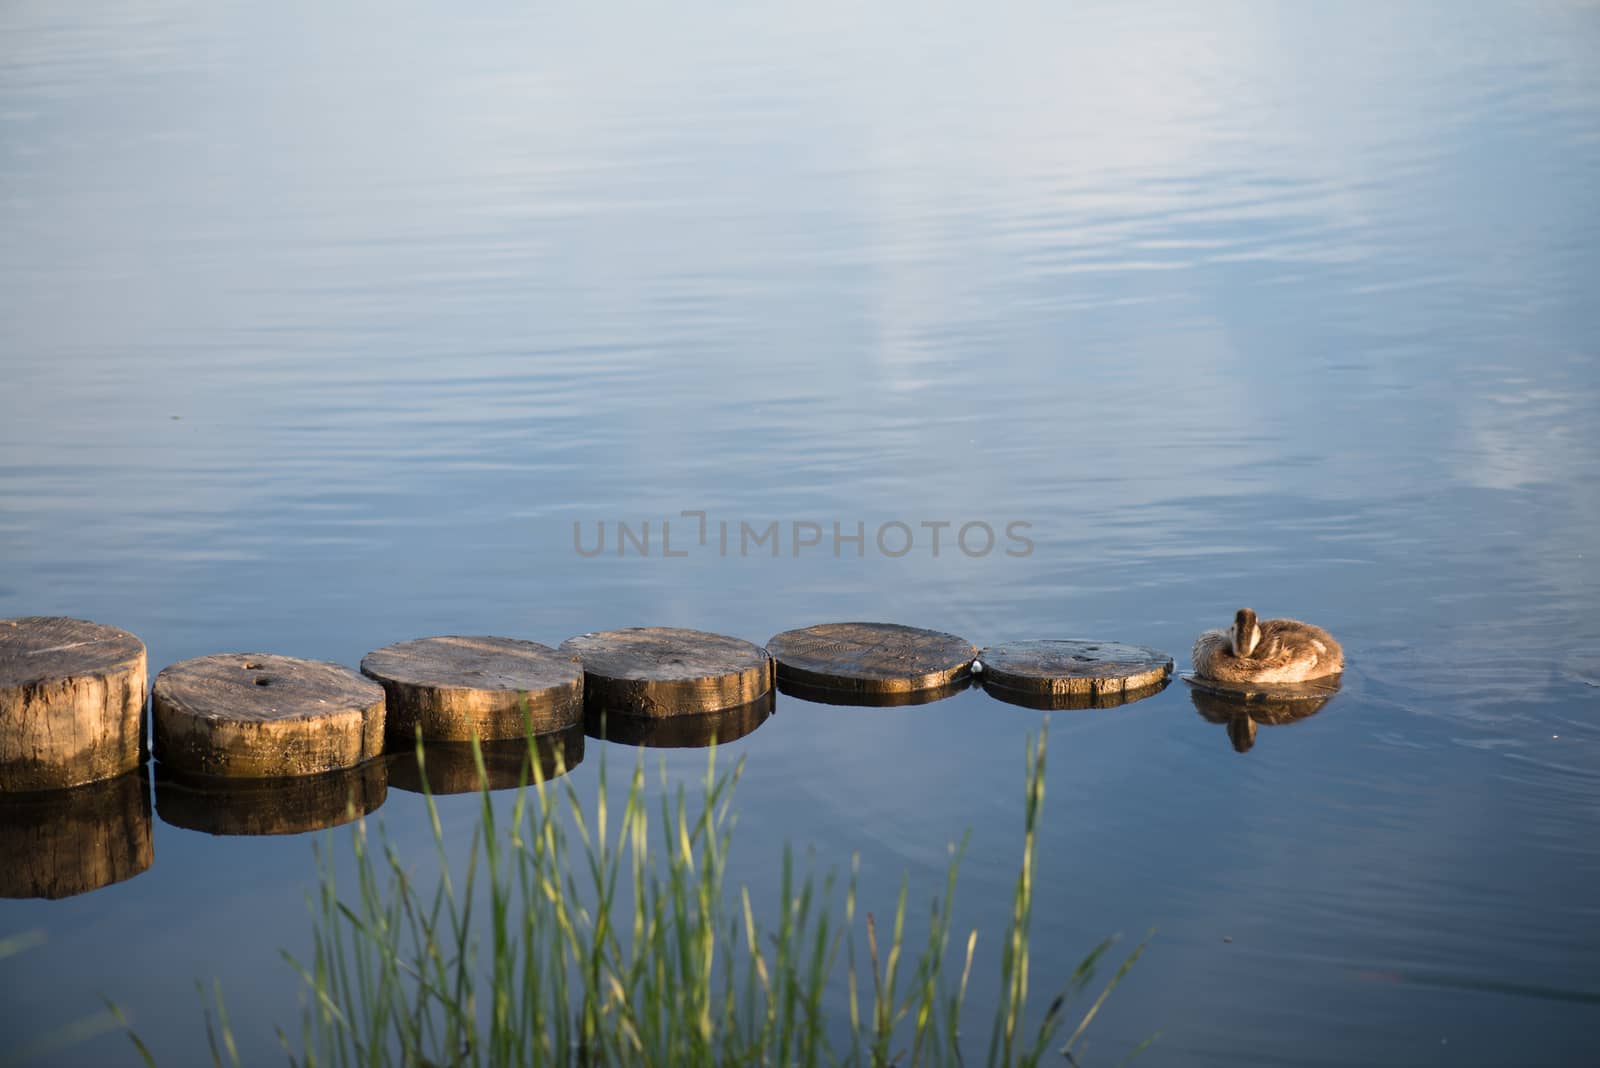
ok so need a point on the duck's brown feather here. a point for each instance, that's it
(1289, 651)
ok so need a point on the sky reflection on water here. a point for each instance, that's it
(319, 328)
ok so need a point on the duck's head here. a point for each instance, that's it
(1246, 632)
(1242, 733)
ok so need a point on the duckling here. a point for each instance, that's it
(1267, 650)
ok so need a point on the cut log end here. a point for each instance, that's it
(255, 715)
(871, 658)
(458, 688)
(1097, 673)
(72, 700)
(660, 672)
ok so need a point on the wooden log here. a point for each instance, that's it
(72, 698)
(1055, 673)
(871, 658)
(255, 715)
(683, 732)
(455, 688)
(826, 695)
(1267, 692)
(451, 769)
(58, 843)
(285, 805)
(657, 672)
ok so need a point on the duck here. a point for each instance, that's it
(1267, 651)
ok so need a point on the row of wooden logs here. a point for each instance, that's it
(60, 843)
(73, 693)
(254, 745)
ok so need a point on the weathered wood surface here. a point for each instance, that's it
(1271, 692)
(658, 672)
(72, 698)
(1083, 672)
(683, 732)
(58, 843)
(291, 805)
(451, 768)
(827, 695)
(455, 688)
(1240, 717)
(871, 658)
(255, 715)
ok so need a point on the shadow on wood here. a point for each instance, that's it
(286, 805)
(827, 695)
(1064, 702)
(451, 768)
(681, 732)
(58, 843)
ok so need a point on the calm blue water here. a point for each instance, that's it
(321, 325)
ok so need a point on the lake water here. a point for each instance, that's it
(322, 325)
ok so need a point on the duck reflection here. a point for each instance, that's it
(452, 769)
(681, 732)
(828, 695)
(58, 843)
(1060, 702)
(288, 805)
(1240, 709)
